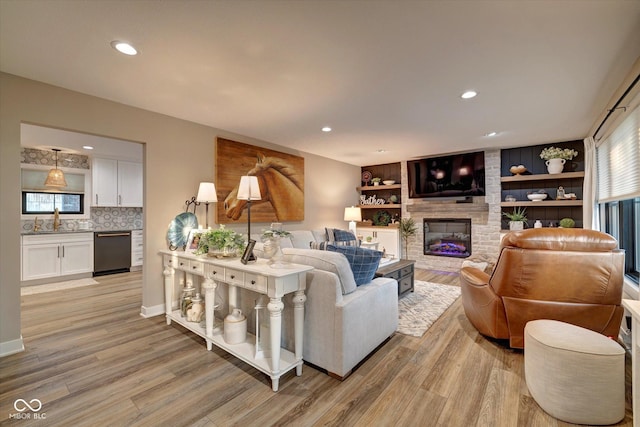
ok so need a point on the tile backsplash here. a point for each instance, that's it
(34, 156)
(116, 218)
(102, 219)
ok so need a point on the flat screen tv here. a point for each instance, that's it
(454, 176)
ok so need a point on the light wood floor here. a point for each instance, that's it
(92, 360)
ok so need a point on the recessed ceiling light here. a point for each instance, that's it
(490, 134)
(381, 150)
(469, 94)
(124, 47)
(87, 147)
(326, 129)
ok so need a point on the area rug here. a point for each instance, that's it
(58, 286)
(418, 310)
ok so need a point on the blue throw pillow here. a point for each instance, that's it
(363, 262)
(338, 237)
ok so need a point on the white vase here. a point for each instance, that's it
(273, 252)
(516, 225)
(555, 165)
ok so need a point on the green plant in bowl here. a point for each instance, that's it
(567, 223)
(220, 241)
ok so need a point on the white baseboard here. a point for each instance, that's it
(11, 347)
(152, 311)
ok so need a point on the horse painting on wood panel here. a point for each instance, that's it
(280, 177)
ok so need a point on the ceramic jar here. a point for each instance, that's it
(235, 327)
(555, 165)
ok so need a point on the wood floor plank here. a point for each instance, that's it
(94, 361)
(501, 382)
(423, 409)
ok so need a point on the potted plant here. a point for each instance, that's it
(517, 218)
(376, 180)
(220, 242)
(271, 240)
(557, 157)
(408, 228)
(274, 233)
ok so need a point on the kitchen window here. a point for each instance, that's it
(621, 219)
(46, 203)
(72, 201)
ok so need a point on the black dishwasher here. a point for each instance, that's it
(111, 252)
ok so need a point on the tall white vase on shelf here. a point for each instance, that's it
(555, 165)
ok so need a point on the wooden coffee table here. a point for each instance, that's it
(402, 271)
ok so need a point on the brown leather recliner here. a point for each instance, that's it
(566, 274)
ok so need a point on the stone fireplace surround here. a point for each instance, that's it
(484, 212)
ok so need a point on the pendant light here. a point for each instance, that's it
(55, 177)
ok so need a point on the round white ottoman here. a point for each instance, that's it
(573, 373)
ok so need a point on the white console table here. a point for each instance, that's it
(256, 276)
(633, 306)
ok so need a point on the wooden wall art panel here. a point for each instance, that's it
(280, 176)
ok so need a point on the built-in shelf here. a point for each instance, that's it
(538, 180)
(386, 205)
(545, 203)
(387, 193)
(542, 177)
(379, 187)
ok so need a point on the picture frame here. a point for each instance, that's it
(193, 240)
(284, 197)
(248, 256)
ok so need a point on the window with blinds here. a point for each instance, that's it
(618, 177)
(618, 161)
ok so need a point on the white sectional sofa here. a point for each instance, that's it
(344, 322)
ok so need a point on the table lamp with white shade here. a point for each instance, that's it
(352, 215)
(207, 194)
(249, 190)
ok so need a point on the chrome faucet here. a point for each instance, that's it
(56, 220)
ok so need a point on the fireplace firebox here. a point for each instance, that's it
(447, 237)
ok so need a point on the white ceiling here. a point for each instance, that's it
(383, 74)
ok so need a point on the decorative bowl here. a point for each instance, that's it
(388, 182)
(536, 197)
(224, 253)
(517, 170)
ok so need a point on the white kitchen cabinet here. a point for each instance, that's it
(136, 248)
(116, 183)
(104, 182)
(388, 238)
(51, 255)
(129, 184)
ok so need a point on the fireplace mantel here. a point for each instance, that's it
(427, 206)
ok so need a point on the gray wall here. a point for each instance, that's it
(177, 156)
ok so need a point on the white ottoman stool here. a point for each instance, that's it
(573, 373)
